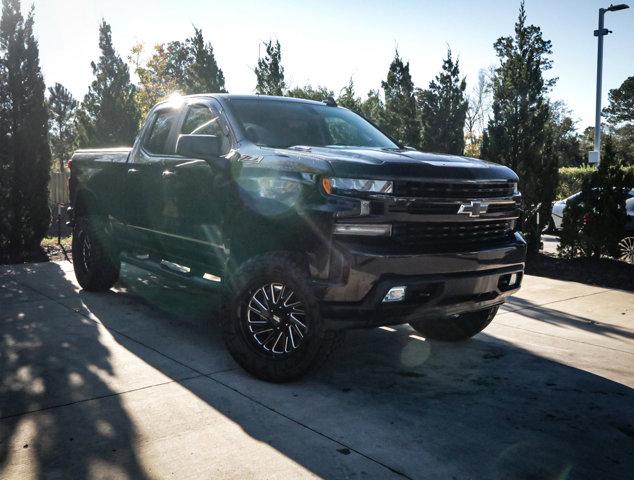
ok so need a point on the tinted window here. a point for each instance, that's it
(203, 120)
(156, 140)
(282, 124)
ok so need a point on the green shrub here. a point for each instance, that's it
(571, 179)
(594, 223)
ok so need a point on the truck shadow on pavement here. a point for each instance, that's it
(388, 404)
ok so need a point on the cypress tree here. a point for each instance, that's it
(443, 109)
(270, 72)
(24, 145)
(348, 98)
(62, 108)
(202, 74)
(109, 115)
(517, 129)
(399, 116)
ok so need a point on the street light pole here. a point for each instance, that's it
(595, 155)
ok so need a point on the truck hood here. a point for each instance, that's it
(388, 164)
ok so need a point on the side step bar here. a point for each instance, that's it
(162, 268)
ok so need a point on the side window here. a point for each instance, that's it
(204, 120)
(156, 140)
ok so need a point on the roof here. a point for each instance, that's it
(231, 96)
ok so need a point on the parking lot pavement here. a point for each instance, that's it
(136, 383)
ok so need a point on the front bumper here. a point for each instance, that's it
(438, 285)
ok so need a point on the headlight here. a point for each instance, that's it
(357, 185)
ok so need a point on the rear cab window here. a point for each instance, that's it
(157, 140)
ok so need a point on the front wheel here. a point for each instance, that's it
(271, 322)
(626, 249)
(456, 328)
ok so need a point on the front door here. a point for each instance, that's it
(196, 195)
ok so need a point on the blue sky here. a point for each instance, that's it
(326, 42)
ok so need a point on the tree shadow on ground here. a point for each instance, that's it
(483, 409)
(550, 315)
(50, 357)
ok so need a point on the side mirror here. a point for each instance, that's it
(203, 147)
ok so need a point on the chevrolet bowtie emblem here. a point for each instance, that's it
(474, 208)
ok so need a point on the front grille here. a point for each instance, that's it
(423, 207)
(454, 190)
(437, 236)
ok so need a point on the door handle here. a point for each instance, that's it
(167, 173)
(133, 171)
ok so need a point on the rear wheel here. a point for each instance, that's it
(456, 328)
(626, 249)
(96, 264)
(271, 323)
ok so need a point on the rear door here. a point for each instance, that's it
(143, 184)
(196, 195)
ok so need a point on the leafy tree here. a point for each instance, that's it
(517, 129)
(594, 223)
(310, 93)
(24, 154)
(477, 114)
(443, 109)
(109, 115)
(399, 117)
(185, 68)
(62, 108)
(621, 107)
(157, 78)
(270, 72)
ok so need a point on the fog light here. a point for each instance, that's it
(395, 294)
(513, 279)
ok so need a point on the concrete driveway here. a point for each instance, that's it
(135, 384)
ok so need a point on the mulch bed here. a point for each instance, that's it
(602, 272)
(43, 254)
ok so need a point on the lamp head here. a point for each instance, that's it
(616, 8)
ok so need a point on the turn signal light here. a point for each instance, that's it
(326, 184)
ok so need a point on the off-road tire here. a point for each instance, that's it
(318, 342)
(455, 329)
(97, 266)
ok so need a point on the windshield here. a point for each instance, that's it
(283, 124)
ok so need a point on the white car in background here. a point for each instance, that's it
(626, 245)
(557, 213)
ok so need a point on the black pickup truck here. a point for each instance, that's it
(305, 218)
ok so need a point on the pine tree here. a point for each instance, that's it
(26, 155)
(517, 130)
(62, 108)
(308, 92)
(443, 108)
(399, 116)
(621, 107)
(202, 74)
(109, 115)
(270, 72)
(373, 108)
(348, 98)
